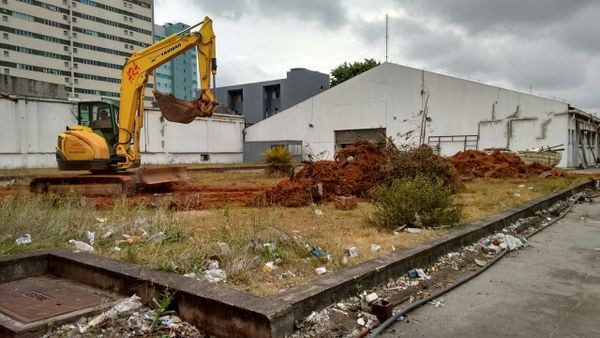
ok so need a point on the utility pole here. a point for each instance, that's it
(386, 37)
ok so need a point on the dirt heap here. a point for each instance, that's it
(355, 170)
(496, 165)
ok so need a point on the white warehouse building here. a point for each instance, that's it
(460, 114)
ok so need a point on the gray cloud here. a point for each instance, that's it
(330, 14)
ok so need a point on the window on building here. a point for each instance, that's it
(6, 53)
(75, 50)
(125, 31)
(129, 5)
(130, 19)
(205, 157)
(6, 71)
(74, 34)
(65, 2)
(124, 17)
(66, 63)
(5, 2)
(75, 65)
(65, 17)
(4, 18)
(76, 95)
(66, 79)
(74, 19)
(74, 4)
(65, 33)
(124, 4)
(130, 33)
(76, 81)
(126, 46)
(5, 36)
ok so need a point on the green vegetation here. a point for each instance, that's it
(279, 161)
(422, 202)
(346, 71)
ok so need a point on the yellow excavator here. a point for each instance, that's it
(106, 139)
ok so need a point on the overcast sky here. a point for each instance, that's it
(551, 47)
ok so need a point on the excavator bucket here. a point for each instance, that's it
(149, 176)
(180, 111)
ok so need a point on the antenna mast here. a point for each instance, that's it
(386, 38)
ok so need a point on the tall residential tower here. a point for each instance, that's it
(81, 44)
(180, 75)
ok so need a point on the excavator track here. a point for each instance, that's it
(88, 185)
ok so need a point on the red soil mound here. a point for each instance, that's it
(495, 165)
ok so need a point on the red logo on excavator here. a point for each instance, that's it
(132, 72)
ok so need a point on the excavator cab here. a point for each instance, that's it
(102, 118)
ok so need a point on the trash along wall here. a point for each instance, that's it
(457, 114)
(30, 127)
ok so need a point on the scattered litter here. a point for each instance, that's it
(158, 237)
(413, 230)
(130, 240)
(422, 274)
(530, 188)
(269, 266)
(509, 241)
(413, 273)
(470, 248)
(320, 270)
(139, 221)
(375, 247)
(215, 275)
(270, 246)
(116, 249)
(521, 185)
(81, 246)
(213, 264)
(352, 252)
(100, 219)
(437, 303)
(91, 237)
(318, 252)
(371, 297)
(517, 194)
(480, 262)
(128, 305)
(24, 239)
(485, 241)
(286, 275)
(361, 321)
(107, 234)
(318, 212)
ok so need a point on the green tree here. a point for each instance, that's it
(347, 71)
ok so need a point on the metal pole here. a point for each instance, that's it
(386, 37)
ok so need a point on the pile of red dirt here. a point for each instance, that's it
(495, 165)
(355, 170)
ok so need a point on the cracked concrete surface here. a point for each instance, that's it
(550, 289)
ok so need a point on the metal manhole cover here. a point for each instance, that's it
(32, 299)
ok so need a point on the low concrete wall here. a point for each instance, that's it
(30, 128)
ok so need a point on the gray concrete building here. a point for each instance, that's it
(81, 44)
(260, 100)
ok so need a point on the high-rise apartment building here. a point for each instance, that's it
(81, 44)
(179, 76)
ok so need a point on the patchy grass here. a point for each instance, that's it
(190, 238)
(485, 197)
(236, 178)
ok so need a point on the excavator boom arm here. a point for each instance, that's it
(135, 76)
